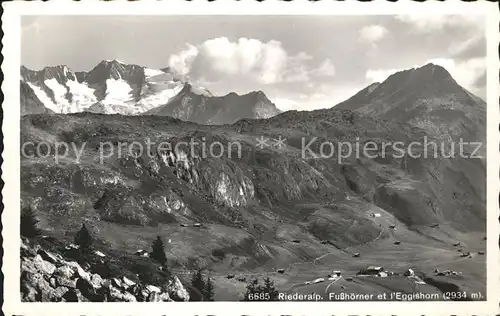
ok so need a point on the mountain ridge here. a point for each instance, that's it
(191, 105)
(113, 86)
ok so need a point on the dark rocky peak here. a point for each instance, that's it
(254, 96)
(186, 89)
(232, 94)
(193, 91)
(28, 75)
(405, 87)
(425, 76)
(259, 96)
(433, 71)
(81, 76)
(115, 69)
(60, 72)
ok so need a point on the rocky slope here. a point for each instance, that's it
(55, 276)
(30, 104)
(115, 87)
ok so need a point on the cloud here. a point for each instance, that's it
(429, 23)
(372, 33)
(248, 60)
(480, 81)
(322, 96)
(297, 69)
(379, 75)
(286, 104)
(181, 62)
(474, 46)
(326, 69)
(221, 59)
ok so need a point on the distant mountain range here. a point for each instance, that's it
(113, 87)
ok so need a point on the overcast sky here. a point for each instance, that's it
(300, 62)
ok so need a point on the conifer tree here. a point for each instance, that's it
(29, 223)
(253, 287)
(158, 252)
(208, 292)
(269, 288)
(198, 283)
(83, 239)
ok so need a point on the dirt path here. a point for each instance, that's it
(326, 289)
(370, 241)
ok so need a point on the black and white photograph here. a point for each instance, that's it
(250, 158)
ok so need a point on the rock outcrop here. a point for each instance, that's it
(49, 277)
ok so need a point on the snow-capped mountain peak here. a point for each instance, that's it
(112, 86)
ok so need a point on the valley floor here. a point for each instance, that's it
(424, 260)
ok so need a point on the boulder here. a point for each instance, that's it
(58, 293)
(28, 265)
(64, 271)
(152, 288)
(164, 297)
(36, 288)
(127, 297)
(52, 282)
(139, 291)
(63, 281)
(104, 292)
(96, 280)
(23, 244)
(28, 293)
(82, 298)
(44, 266)
(27, 251)
(154, 297)
(100, 254)
(78, 270)
(85, 287)
(114, 294)
(116, 282)
(117, 296)
(70, 296)
(89, 291)
(36, 280)
(72, 247)
(106, 283)
(127, 282)
(47, 256)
